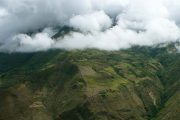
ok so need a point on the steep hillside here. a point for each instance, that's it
(141, 83)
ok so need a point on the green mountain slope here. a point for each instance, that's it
(141, 83)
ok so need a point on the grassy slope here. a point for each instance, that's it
(133, 84)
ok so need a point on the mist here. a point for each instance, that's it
(28, 25)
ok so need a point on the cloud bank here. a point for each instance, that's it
(28, 25)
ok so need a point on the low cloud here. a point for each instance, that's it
(28, 25)
(96, 21)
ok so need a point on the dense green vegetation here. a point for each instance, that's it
(141, 83)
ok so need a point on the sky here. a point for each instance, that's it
(101, 24)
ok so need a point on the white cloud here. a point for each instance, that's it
(137, 22)
(3, 13)
(111, 7)
(40, 41)
(96, 21)
(24, 43)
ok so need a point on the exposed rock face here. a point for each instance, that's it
(135, 84)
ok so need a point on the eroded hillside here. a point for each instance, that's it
(140, 83)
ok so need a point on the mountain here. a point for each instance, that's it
(140, 83)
